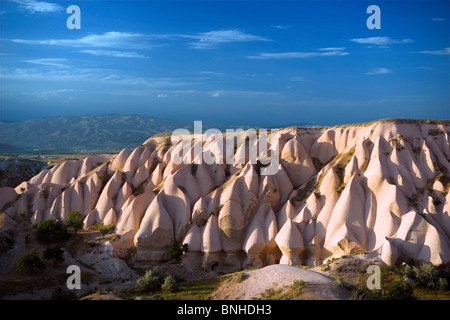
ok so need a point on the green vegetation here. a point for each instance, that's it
(394, 285)
(55, 254)
(292, 292)
(169, 285)
(75, 221)
(104, 230)
(427, 276)
(51, 231)
(29, 261)
(152, 280)
(405, 282)
(339, 167)
(238, 278)
(177, 249)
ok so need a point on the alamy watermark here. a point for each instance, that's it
(74, 280)
(374, 280)
(260, 147)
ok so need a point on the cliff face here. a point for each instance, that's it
(380, 187)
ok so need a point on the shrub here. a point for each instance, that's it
(55, 254)
(30, 261)
(152, 280)
(429, 277)
(75, 221)
(398, 289)
(169, 285)
(104, 230)
(177, 249)
(298, 285)
(51, 230)
(239, 277)
(393, 284)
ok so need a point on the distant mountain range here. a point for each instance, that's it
(92, 133)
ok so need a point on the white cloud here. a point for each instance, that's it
(212, 73)
(113, 53)
(161, 95)
(215, 94)
(106, 40)
(127, 40)
(379, 71)
(298, 79)
(52, 93)
(301, 55)
(438, 19)
(33, 6)
(380, 41)
(332, 49)
(92, 75)
(209, 40)
(279, 26)
(52, 62)
(445, 51)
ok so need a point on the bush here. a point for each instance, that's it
(169, 285)
(152, 280)
(177, 249)
(429, 277)
(75, 221)
(393, 284)
(55, 254)
(104, 230)
(30, 261)
(51, 230)
(398, 290)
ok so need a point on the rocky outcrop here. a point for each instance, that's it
(380, 187)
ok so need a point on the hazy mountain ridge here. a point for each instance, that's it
(91, 133)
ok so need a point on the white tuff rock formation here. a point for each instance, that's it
(378, 187)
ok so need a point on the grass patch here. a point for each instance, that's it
(187, 290)
(292, 292)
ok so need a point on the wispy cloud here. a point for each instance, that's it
(93, 75)
(209, 40)
(52, 62)
(114, 53)
(438, 19)
(128, 40)
(323, 52)
(332, 49)
(33, 6)
(445, 51)
(379, 71)
(380, 41)
(52, 93)
(279, 26)
(212, 73)
(107, 40)
(298, 79)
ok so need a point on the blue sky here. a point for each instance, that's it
(261, 63)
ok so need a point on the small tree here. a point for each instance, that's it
(169, 285)
(75, 221)
(152, 280)
(51, 230)
(55, 254)
(177, 249)
(29, 261)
